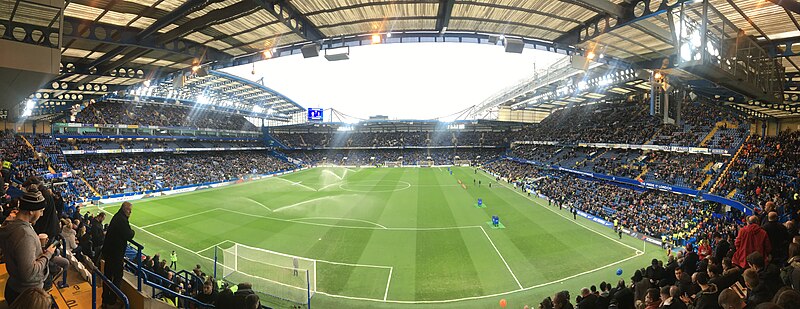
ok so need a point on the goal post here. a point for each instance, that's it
(392, 163)
(287, 277)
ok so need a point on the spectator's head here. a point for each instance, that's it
(33, 298)
(752, 220)
(675, 292)
(100, 217)
(678, 273)
(663, 293)
(127, 208)
(654, 262)
(547, 303)
(31, 205)
(701, 278)
(208, 287)
(714, 270)
(252, 301)
(728, 299)
(652, 296)
(787, 298)
(794, 250)
(772, 216)
(751, 278)
(585, 292)
(755, 259)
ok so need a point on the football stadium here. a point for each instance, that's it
(549, 154)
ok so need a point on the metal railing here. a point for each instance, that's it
(156, 281)
(107, 284)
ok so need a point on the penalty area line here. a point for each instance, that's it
(385, 294)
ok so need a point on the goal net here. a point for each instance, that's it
(284, 276)
(461, 162)
(426, 163)
(392, 163)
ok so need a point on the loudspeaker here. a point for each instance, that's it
(310, 50)
(514, 45)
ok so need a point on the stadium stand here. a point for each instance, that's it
(161, 115)
(693, 150)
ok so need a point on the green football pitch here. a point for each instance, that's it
(391, 237)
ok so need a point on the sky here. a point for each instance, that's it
(401, 81)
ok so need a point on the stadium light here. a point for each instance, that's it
(267, 54)
(202, 99)
(257, 109)
(590, 55)
(376, 38)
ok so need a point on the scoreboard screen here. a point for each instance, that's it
(315, 114)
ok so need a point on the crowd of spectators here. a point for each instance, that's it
(624, 123)
(734, 261)
(114, 174)
(407, 156)
(392, 139)
(766, 168)
(162, 115)
(97, 144)
(676, 168)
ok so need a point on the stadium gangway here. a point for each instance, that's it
(107, 284)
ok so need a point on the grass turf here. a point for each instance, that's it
(417, 221)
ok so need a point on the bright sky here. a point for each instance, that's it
(402, 81)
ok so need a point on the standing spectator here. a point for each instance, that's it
(173, 260)
(721, 247)
(98, 236)
(25, 260)
(751, 238)
(48, 223)
(778, 238)
(652, 300)
(690, 261)
(119, 233)
(209, 293)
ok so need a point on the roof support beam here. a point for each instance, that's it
(287, 14)
(790, 5)
(443, 16)
(125, 37)
(614, 16)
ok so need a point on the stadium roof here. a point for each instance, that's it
(139, 40)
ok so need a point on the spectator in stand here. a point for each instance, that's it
(729, 299)
(98, 236)
(778, 238)
(25, 259)
(33, 298)
(68, 233)
(756, 291)
(690, 260)
(113, 252)
(751, 238)
(707, 297)
(768, 274)
(588, 300)
(792, 279)
(209, 293)
(721, 246)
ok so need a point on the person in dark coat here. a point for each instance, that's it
(778, 238)
(721, 247)
(113, 252)
(48, 223)
(588, 300)
(97, 234)
(690, 261)
(707, 297)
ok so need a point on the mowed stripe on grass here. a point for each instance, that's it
(427, 264)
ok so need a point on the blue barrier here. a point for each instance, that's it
(106, 285)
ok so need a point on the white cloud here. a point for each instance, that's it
(402, 81)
